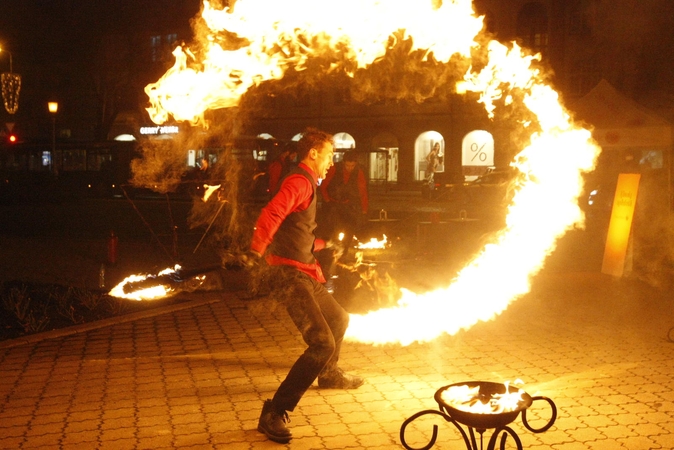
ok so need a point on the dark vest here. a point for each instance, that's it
(295, 237)
(341, 191)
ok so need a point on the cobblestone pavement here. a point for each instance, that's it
(196, 377)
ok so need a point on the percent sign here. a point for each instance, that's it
(479, 153)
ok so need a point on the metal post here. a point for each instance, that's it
(53, 143)
(53, 109)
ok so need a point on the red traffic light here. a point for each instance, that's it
(12, 138)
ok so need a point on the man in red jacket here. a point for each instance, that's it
(345, 197)
(284, 232)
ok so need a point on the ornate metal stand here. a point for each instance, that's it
(474, 423)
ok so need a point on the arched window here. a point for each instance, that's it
(532, 27)
(422, 147)
(343, 142)
(477, 153)
(384, 158)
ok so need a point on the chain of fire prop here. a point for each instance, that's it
(257, 40)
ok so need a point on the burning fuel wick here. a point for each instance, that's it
(167, 282)
(209, 190)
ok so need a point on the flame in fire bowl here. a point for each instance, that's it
(480, 406)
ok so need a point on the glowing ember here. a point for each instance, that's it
(373, 243)
(469, 399)
(146, 292)
(272, 36)
(209, 190)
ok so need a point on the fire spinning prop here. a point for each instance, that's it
(256, 40)
(166, 283)
(482, 405)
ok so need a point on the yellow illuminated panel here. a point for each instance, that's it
(620, 226)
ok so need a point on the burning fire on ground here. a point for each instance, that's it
(469, 399)
(254, 41)
(373, 243)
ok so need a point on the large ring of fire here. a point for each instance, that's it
(272, 36)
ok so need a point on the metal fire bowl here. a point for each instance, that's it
(484, 421)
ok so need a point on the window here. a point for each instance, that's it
(155, 47)
(532, 27)
(161, 46)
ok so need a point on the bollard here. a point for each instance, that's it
(101, 276)
(112, 248)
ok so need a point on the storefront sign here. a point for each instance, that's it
(162, 129)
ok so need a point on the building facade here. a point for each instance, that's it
(581, 42)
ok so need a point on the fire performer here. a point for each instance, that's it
(286, 225)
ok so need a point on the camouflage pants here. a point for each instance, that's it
(321, 321)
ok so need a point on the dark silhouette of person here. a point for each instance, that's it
(345, 198)
(281, 166)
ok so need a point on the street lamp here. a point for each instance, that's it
(53, 109)
(10, 58)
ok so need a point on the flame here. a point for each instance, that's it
(150, 293)
(255, 41)
(373, 243)
(544, 207)
(209, 190)
(469, 399)
(272, 36)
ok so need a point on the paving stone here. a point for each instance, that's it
(197, 378)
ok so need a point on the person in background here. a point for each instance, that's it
(281, 166)
(284, 234)
(345, 197)
(432, 161)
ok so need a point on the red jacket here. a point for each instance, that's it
(295, 194)
(361, 182)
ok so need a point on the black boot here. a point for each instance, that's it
(337, 379)
(272, 424)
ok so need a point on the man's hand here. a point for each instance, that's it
(249, 261)
(337, 248)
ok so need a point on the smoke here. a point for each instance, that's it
(653, 233)
(162, 168)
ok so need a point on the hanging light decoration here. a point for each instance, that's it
(11, 85)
